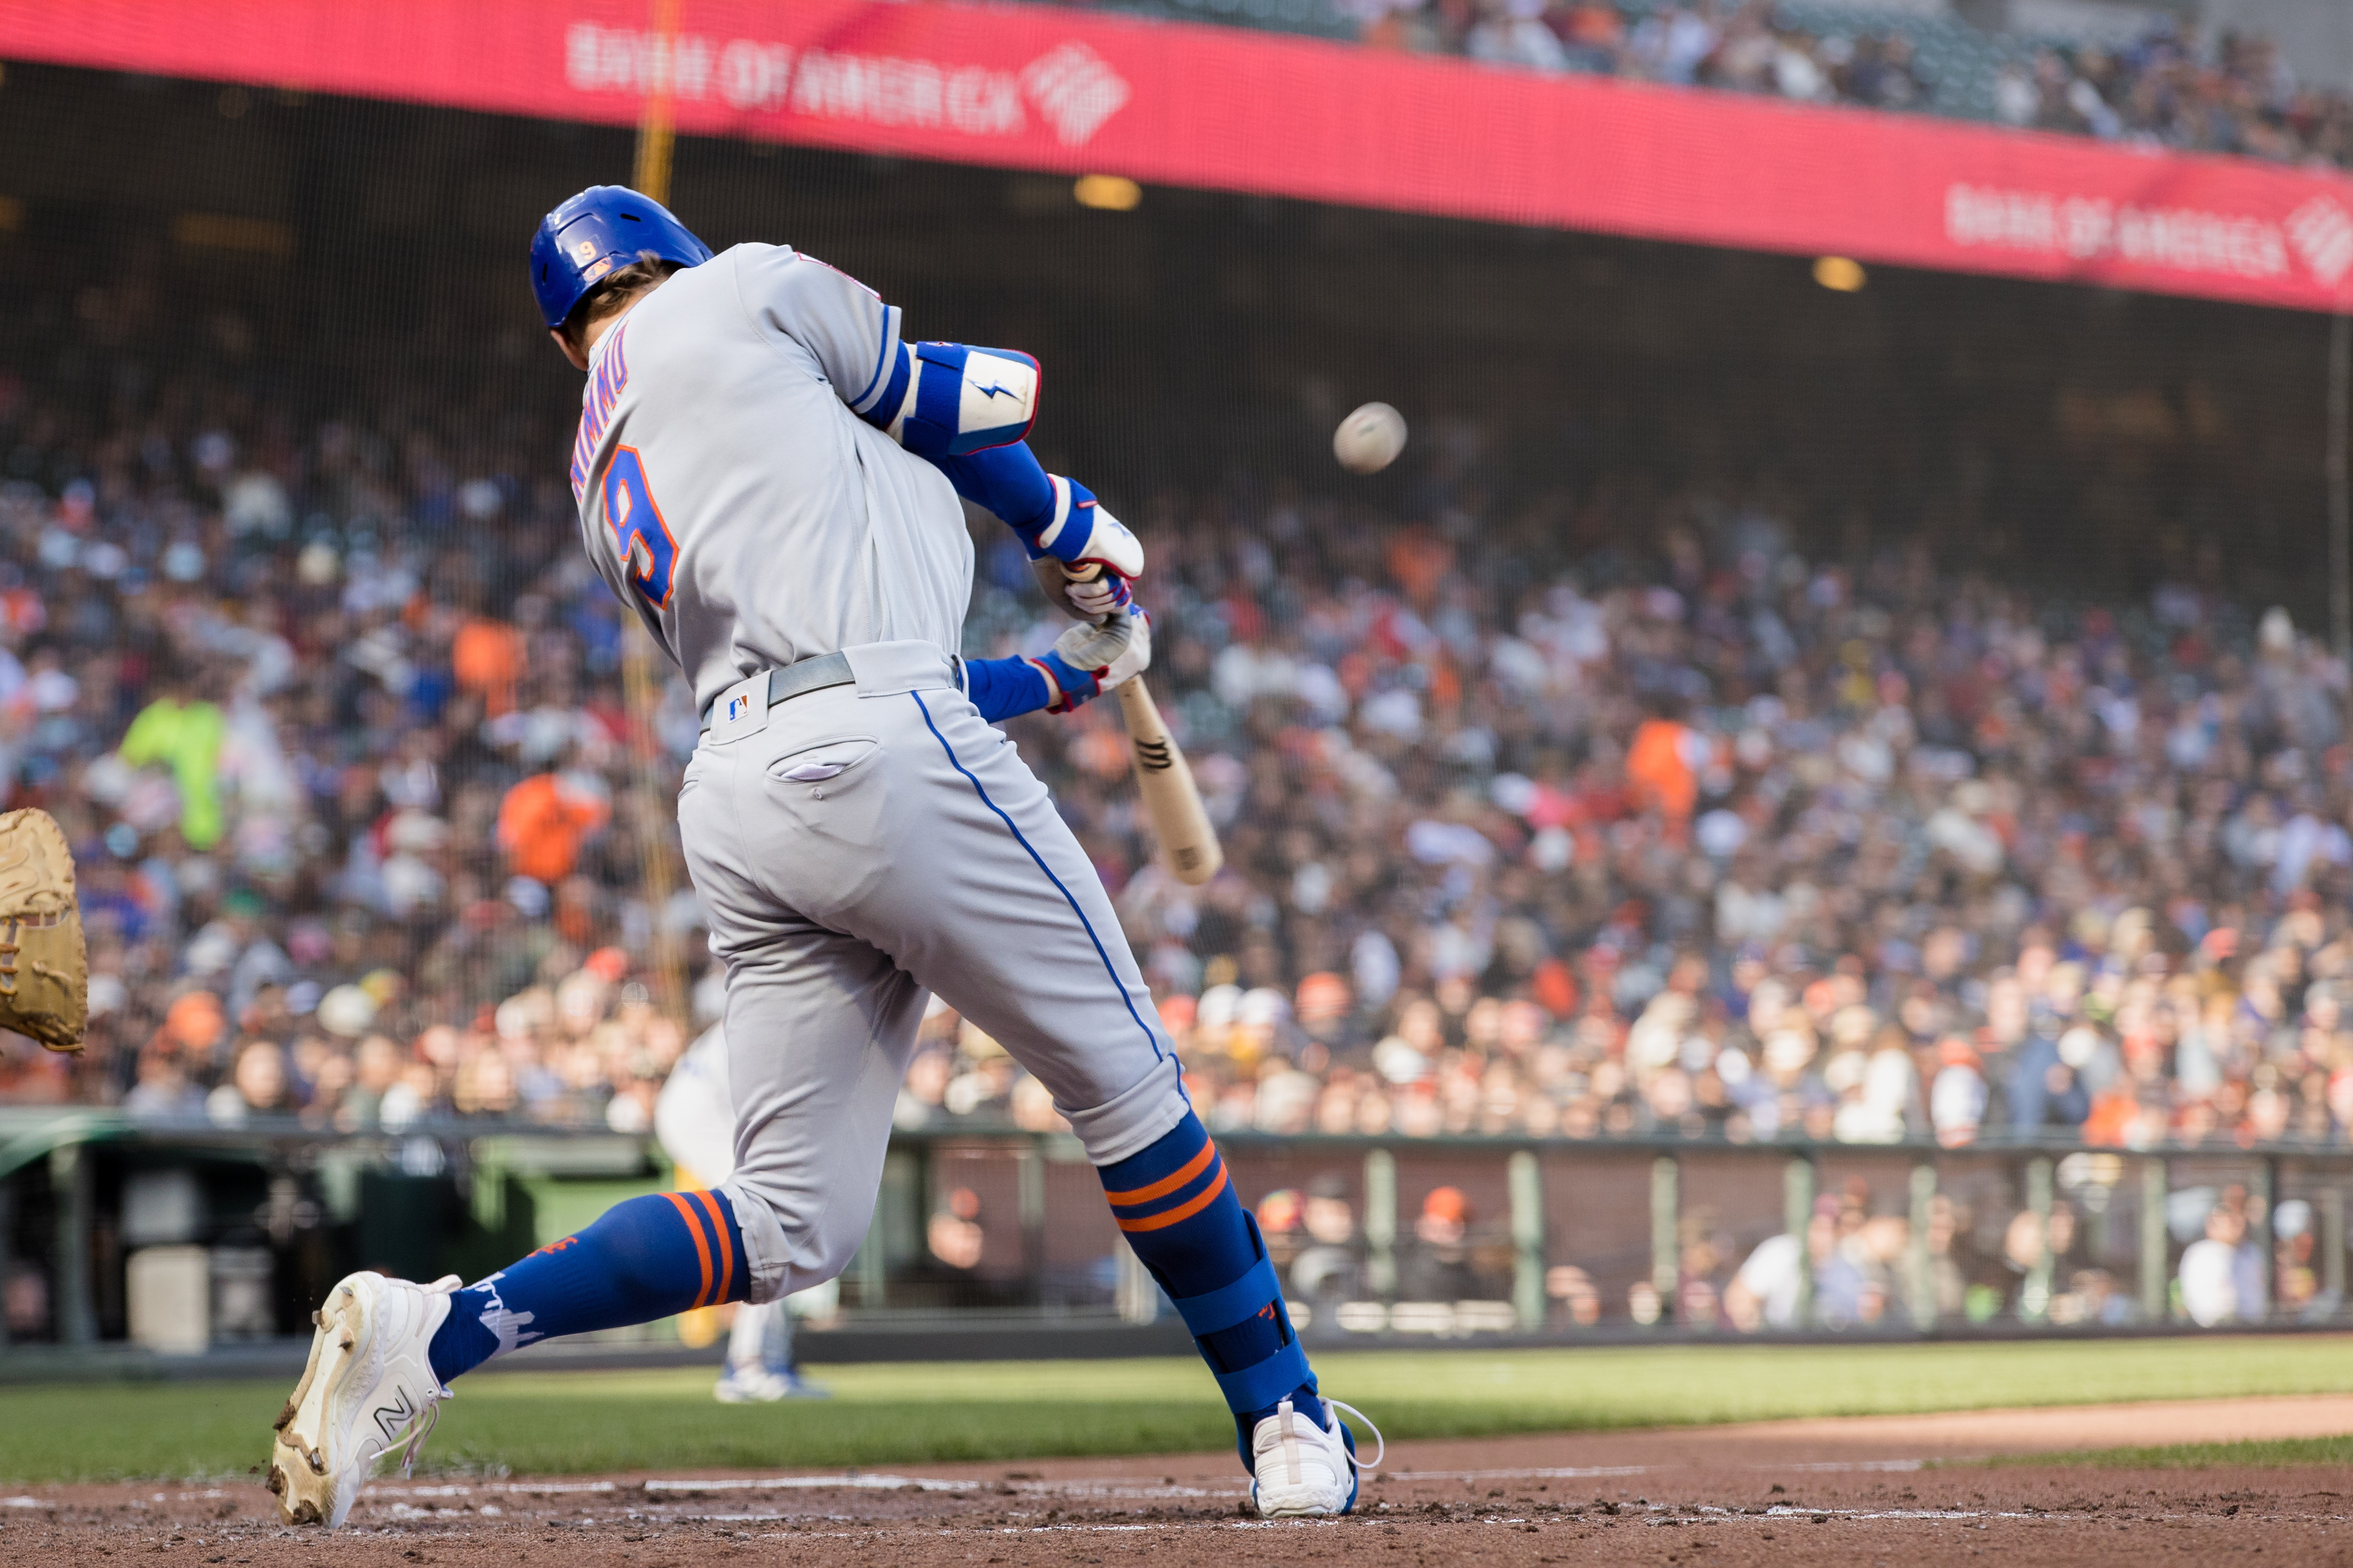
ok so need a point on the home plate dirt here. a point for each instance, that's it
(1866, 1491)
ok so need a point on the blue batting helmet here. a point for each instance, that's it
(603, 228)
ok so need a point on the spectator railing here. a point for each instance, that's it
(1378, 1238)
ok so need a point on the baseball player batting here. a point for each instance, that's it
(767, 473)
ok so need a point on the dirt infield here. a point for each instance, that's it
(1864, 1492)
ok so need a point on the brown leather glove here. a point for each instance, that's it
(44, 967)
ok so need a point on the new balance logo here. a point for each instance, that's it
(392, 1419)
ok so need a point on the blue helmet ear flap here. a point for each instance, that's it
(597, 232)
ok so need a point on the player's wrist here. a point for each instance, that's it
(1051, 524)
(1072, 686)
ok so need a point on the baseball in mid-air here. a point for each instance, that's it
(1369, 439)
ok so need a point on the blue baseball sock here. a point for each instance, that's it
(1180, 1214)
(647, 1259)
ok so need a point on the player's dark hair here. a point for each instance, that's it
(613, 291)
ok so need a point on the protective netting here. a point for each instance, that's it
(1749, 711)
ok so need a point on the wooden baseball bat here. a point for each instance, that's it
(1162, 778)
(1171, 798)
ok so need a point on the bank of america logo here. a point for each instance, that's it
(2321, 233)
(1076, 89)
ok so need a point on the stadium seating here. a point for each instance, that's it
(1725, 843)
(2120, 78)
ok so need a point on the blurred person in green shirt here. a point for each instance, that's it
(184, 729)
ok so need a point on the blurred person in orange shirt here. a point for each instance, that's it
(2114, 1111)
(545, 819)
(485, 658)
(1662, 767)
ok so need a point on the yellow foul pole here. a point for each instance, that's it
(641, 669)
(655, 128)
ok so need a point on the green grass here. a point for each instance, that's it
(552, 1422)
(2259, 1454)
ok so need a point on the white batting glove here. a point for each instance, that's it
(1084, 537)
(1100, 597)
(1119, 554)
(1112, 543)
(1106, 656)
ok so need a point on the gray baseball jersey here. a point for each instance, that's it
(730, 495)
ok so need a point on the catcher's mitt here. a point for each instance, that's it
(44, 968)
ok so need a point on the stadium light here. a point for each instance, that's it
(1839, 274)
(1108, 193)
(224, 231)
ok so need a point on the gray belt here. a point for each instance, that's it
(800, 677)
(804, 675)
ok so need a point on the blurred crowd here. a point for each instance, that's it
(333, 719)
(1703, 840)
(2239, 95)
(1743, 47)
(1727, 844)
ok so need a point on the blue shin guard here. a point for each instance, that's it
(1179, 1212)
(647, 1259)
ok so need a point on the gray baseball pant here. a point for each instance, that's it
(870, 844)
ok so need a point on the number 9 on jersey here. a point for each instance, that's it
(649, 554)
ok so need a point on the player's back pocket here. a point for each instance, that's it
(824, 761)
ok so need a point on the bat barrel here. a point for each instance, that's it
(1164, 780)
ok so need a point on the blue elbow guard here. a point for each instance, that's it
(958, 400)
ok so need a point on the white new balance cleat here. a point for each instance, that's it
(1301, 1470)
(368, 1384)
(763, 1386)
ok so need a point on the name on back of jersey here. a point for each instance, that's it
(607, 379)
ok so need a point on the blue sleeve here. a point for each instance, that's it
(1006, 481)
(1002, 688)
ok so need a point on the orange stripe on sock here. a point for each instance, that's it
(727, 1252)
(1182, 1212)
(702, 1247)
(1168, 1185)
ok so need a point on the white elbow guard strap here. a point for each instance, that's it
(962, 400)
